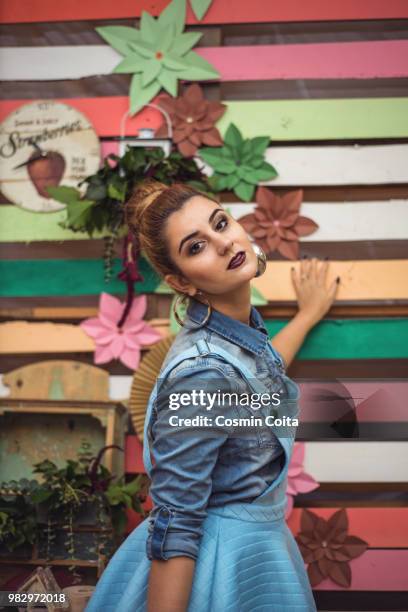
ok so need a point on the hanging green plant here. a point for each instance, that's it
(101, 208)
(240, 164)
(158, 54)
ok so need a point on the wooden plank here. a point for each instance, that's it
(93, 248)
(324, 369)
(355, 461)
(319, 119)
(84, 32)
(329, 339)
(278, 89)
(359, 280)
(283, 120)
(328, 369)
(51, 310)
(338, 165)
(363, 601)
(24, 337)
(32, 11)
(363, 60)
(380, 527)
(348, 221)
(355, 495)
(376, 570)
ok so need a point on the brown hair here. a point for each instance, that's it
(146, 214)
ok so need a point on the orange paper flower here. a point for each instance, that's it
(327, 547)
(193, 118)
(276, 224)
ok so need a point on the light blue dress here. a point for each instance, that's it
(248, 560)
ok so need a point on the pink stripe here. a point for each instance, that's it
(362, 60)
(374, 401)
(375, 570)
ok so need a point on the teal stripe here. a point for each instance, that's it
(69, 277)
(352, 339)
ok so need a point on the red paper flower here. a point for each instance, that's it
(193, 120)
(327, 547)
(276, 224)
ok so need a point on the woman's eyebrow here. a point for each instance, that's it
(214, 212)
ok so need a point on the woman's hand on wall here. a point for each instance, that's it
(313, 295)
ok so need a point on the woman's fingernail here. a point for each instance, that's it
(338, 279)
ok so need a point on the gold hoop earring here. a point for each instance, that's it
(181, 298)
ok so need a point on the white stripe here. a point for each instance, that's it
(347, 165)
(350, 221)
(351, 461)
(56, 63)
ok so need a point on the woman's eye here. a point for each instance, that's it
(220, 223)
(193, 250)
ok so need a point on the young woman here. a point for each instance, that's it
(216, 539)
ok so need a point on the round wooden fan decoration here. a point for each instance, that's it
(144, 380)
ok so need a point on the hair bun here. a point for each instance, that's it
(143, 196)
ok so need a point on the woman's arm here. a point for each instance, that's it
(170, 584)
(314, 301)
(181, 482)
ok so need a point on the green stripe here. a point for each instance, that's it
(52, 277)
(19, 225)
(352, 339)
(319, 119)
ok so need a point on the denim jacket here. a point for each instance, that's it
(196, 468)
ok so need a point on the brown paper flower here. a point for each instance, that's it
(327, 547)
(193, 120)
(276, 224)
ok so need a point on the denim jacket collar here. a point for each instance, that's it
(250, 338)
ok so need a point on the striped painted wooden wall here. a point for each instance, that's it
(329, 83)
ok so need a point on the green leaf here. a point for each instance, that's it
(168, 80)
(245, 191)
(78, 212)
(185, 42)
(259, 144)
(139, 96)
(119, 37)
(174, 14)
(200, 7)
(149, 28)
(217, 158)
(132, 63)
(151, 71)
(174, 62)
(233, 137)
(117, 192)
(166, 39)
(143, 49)
(199, 69)
(264, 173)
(64, 194)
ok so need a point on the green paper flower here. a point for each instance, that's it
(240, 164)
(158, 54)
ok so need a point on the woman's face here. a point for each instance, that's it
(203, 239)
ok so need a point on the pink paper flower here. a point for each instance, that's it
(298, 480)
(122, 343)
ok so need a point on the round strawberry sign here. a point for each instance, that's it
(43, 144)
